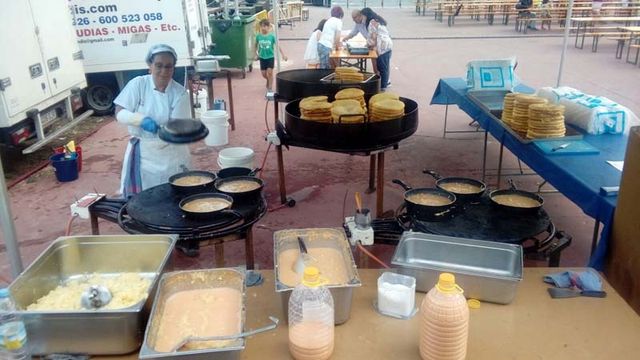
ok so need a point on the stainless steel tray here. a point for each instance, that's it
(331, 78)
(90, 331)
(486, 270)
(319, 237)
(492, 101)
(174, 282)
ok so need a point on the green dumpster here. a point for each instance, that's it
(236, 39)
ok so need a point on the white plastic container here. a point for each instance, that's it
(311, 327)
(444, 323)
(396, 295)
(236, 157)
(216, 122)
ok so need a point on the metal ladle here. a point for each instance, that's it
(303, 258)
(95, 297)
(189, 339)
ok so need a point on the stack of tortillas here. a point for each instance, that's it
(519, 121)
(348, 74)
(385, 106)
(315, 108)
(507, 107)
(546, 121)
(348, 111)
(352, 94)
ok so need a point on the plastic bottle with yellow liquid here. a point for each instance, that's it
(444, 323)
(311, 322)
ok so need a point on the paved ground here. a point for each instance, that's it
(40, 204)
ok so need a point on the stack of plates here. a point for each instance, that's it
(507, 107)
(546, 121)
(519, 121)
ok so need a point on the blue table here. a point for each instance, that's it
(578, 177)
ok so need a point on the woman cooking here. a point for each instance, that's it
(379, 39)
(146, 103)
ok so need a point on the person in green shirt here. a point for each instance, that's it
(265, 51)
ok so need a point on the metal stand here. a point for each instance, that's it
(375, 175)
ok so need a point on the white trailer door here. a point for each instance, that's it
(58, 44)
(198, 21)
(21, 61)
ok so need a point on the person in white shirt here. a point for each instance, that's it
(330, 38)
(311, 53)
(359, 28)
(380, 39)
(146, 103)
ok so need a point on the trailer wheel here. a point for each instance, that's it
(244, 73)
(250, 67)
(99, 98)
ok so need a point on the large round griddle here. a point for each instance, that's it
(158, 208)
(485, 221)
(300, 83)
(345, 137)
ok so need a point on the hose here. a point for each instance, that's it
(369, 254)
(67, 229)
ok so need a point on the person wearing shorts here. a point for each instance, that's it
(265, 52)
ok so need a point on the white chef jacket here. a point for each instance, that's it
(158, 159)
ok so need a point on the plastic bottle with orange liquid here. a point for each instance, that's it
(444, 322)
(311, 322)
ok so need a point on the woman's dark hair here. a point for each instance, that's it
(371, 15)
(321, 25)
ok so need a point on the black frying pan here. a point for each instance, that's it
(202, 215)
(192, 189)
(236, 171)
(515, 192)
(183, 131)
(427, 212)
(441, 183)
(244, 197)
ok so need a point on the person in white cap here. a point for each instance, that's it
(146, 103)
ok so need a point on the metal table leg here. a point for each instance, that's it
(281, 184)
(484, 156)
(95, 229)
(596, 231)
(446, 113)
(232, 120)
(372, 174)
(500, 165)
(248, 246)
(219, 254)
(380, 192)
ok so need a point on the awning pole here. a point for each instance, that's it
(8, 228)
(567, 28)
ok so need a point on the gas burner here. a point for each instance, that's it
(483, 221)
(156, 211)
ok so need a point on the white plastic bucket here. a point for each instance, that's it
(216, 122)
(236, 157)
